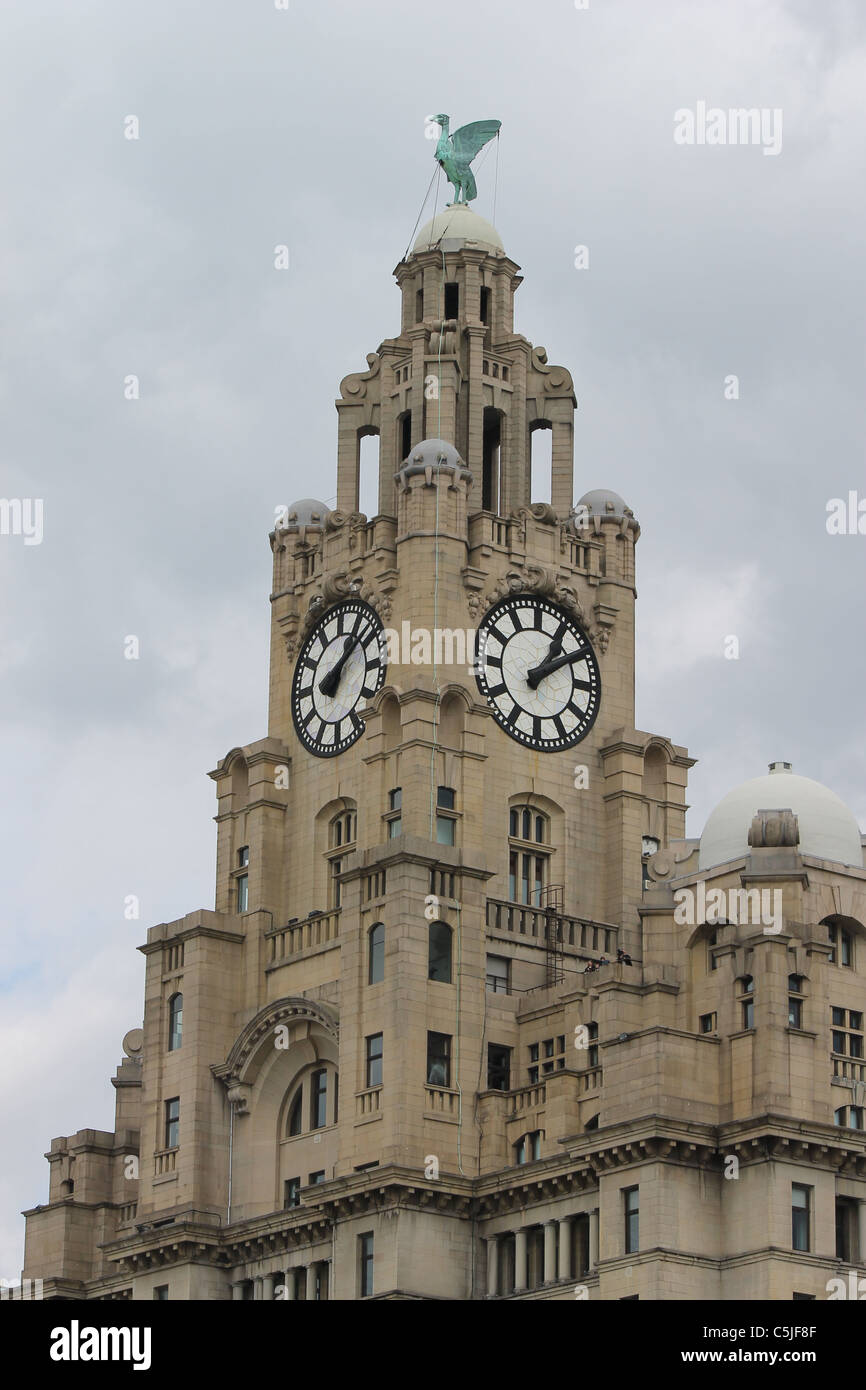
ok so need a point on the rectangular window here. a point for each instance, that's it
(452, 301)
(395, 827)
(243, 856)
(632, 1219)
(292, 1192)
(317, 1177)
(800, 1210)
(498, 1067)
(846, 1228)
(438, 1059)
(498, 970)
(172, 1122)
(795, 1013)
(395, 799)
(374, 1060)
(847, 1032)
(592, 1059)
(336, 885)
(445, 828)
(161, 1292)
(748, 1013)
(319, 1099)
(445, 798)
(242, 883)
(708, 1023)
(365, 1265)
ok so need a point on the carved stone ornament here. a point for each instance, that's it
(557, 380)
(354, 386)
(664, 863)
(334, 587)
(774, 830)
(529, 579)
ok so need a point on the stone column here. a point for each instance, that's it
(519, 1260)
(492, 1267)
(311, 1281)
(268, 1286)
(565, 1270)
(289, 1277)
(861, 1229)
(257, 1288)
(551, 1229)
(237, 1290)
(593, 1240)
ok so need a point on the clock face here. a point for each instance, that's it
(538, 672)
(339, 668)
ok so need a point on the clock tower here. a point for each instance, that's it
(445, 828)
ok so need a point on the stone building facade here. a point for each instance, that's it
(471, 1017)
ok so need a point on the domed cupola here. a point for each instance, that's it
(827, 828)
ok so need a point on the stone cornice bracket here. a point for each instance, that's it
(354, 386)
(238, 1095)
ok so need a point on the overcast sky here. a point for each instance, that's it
(154, 257)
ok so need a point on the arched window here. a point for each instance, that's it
(528, 829)
(175, 1022)
(849, 1116)
(296, 1114)
(342, 832)
(528, 1147)
(841, 942)
(376, 951)
(439, 953)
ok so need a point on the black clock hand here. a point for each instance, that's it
(536, 675)
(329, 682)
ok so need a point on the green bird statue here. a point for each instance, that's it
(456, 152)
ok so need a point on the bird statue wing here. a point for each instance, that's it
(469, 139)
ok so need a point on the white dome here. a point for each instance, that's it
(828, 829)
(601, 501)
(458, 223)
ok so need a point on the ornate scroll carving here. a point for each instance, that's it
(354, 386)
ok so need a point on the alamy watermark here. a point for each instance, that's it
(756, 906)
(22, 516)
(711, 125)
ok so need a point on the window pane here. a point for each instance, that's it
(377, 954)
(374, 1060)
(846, 948)
(242, 891)
(795, 1013)
(444, 830)
(319, 1099)
(497, 974)
(438, 1059)
(395, 827)
(512, 822)
(855, 1019)
(445, 798)
(175, 1022)
(512, 877)
(439, 953)
(527, 825)
(498, 1067)
(838, 1017)
(539, 829)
